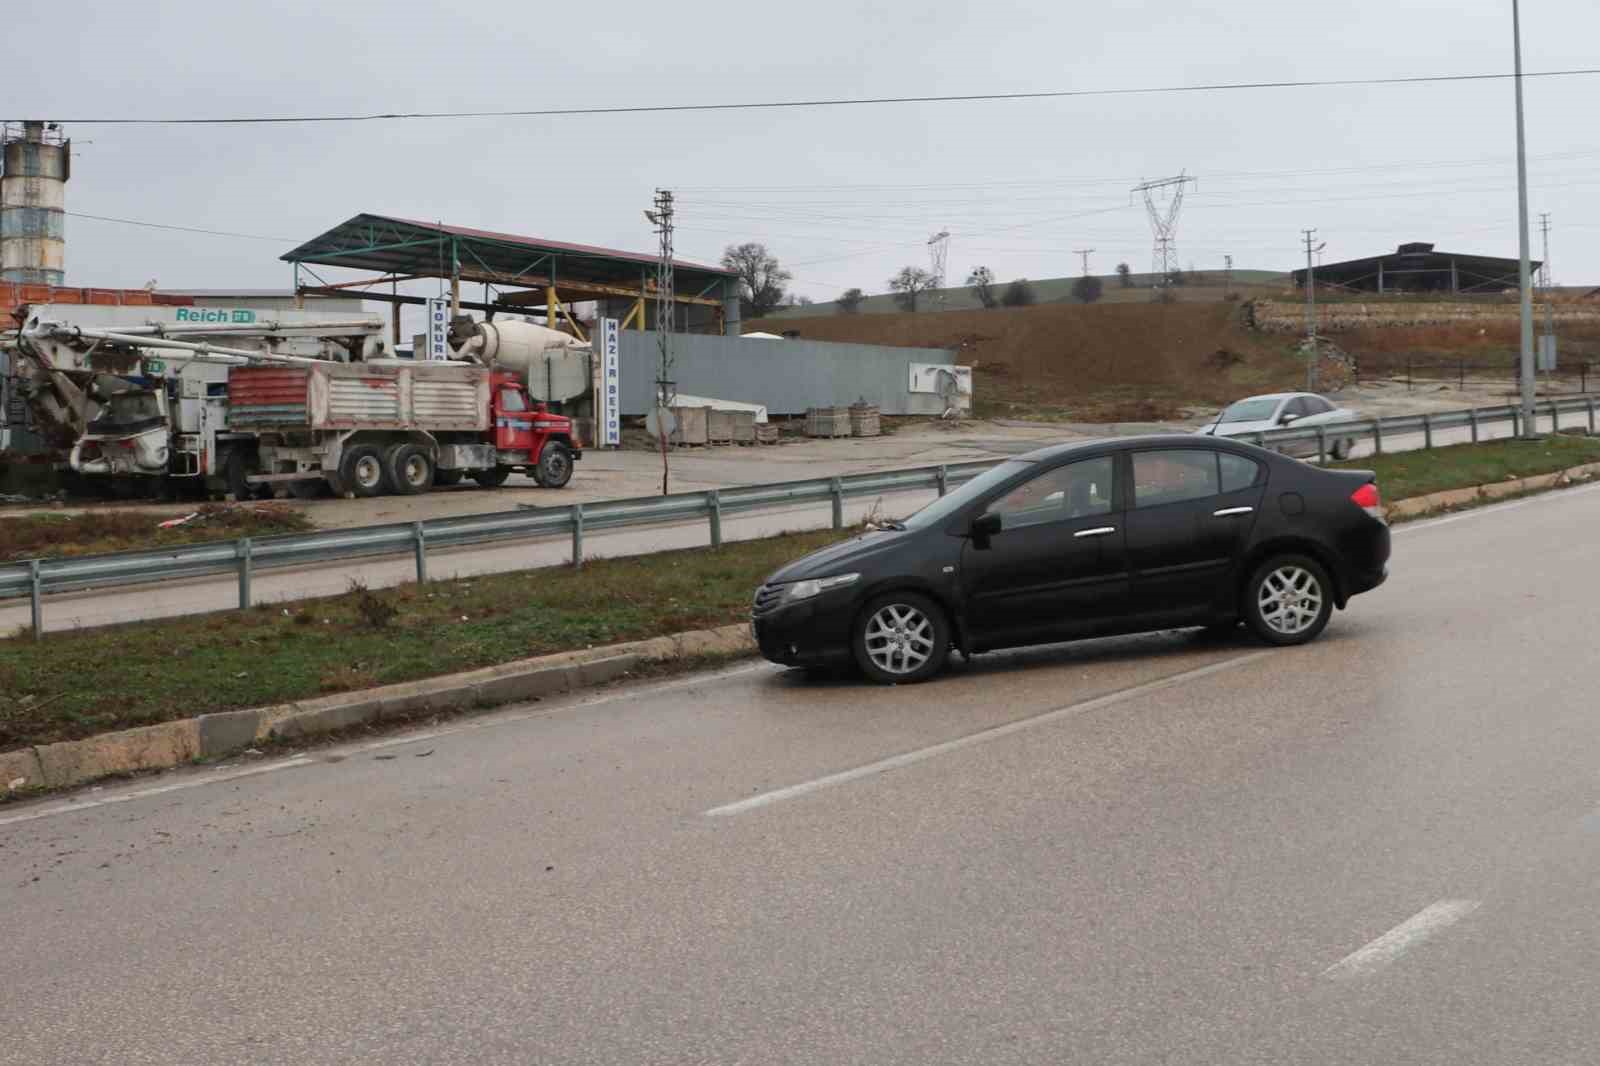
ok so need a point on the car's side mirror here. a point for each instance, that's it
(984, 527)
(1286, 418)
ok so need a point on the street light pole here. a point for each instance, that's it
(1522, 233)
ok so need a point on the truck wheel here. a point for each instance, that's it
(493, 477)
(446, 477)
(240, 466)
(361, 470)
(408, 469)
(555, 466)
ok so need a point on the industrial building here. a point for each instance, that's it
(1419, 267)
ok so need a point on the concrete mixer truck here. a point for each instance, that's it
(234, 407)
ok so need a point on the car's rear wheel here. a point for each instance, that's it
(1288, 600)
(1341, 448)
(901, 638)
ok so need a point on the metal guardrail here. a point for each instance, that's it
(243, 557)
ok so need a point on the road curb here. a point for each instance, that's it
(1420, 506)
(223, 733)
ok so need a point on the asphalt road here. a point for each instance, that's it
(1381, 848)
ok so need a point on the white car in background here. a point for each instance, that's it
(1280, 410)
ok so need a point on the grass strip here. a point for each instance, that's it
(1402, 475)
(53, 535)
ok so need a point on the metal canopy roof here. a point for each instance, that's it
(1473, 272)
(429, 249)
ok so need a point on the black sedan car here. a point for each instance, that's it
(1086, 539)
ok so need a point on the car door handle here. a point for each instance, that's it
(1098, 531)
(1229, 511)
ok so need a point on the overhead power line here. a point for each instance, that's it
(642, 109)
(184, 229)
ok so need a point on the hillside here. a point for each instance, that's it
(1207, 286)
(1116, 361)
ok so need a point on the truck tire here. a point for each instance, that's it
(408, 469)
(240, 466)
(555, 466)
(493, 477)
(361, 471)
(446, 477)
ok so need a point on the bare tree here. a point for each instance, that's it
(1125, 275)
(1019, 294)
(1087, 289)
(761, 279)
(850, 300)
(907, 284)
(982, 281)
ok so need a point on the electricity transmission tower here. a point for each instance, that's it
(1163, 201)
(1547, 343)
(666, 305)
(939, 255)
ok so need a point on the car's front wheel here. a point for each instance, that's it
(1288, 600)
(900, 638)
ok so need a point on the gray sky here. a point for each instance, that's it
(844, 196)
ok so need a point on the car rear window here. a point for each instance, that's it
(1237, 471)
(1174, 476)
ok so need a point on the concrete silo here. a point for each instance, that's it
(35, 163)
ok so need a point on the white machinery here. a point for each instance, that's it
(555, 366)
(142, 391)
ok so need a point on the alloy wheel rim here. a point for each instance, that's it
(899, 639)
(1290, 600)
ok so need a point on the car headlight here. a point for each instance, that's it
(804, 590)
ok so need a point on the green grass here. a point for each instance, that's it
(1402, 475)
(53, 535)
(75, 684)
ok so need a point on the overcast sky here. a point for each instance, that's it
(844, 196)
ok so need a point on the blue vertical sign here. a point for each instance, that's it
(438, 328)
(610, 384)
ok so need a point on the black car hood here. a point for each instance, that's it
(840, 558)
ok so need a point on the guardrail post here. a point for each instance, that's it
(36, 600)
(1261, 440)
(421, 539)
(837, 489)
(1472, 416)
(1377, 436)
(577, 536)
(1427, 432)
(944, 478)
(1589, 403)
(1555, 417)
(714, 503)
(1516, 423)
(245, 566)
(1322, 444)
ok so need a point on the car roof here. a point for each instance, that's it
(1101, 445)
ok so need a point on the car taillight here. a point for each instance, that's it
(1366, 498)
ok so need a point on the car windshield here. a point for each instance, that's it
(1249, 411)
(949, 504)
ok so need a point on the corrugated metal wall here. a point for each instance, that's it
(787, 376)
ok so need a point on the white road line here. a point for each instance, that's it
(1401, 939)
(971, 740)
(144, 793)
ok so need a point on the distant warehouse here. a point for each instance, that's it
(1417, 267)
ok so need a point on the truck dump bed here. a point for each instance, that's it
(387, 394)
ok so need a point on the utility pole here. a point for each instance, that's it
(1084, 253)
(1522, 232)
(939, 256)
(1227, 276)
(1311, 307)
(1547, 343)
(666, 315)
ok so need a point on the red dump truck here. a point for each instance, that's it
(388, 426)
